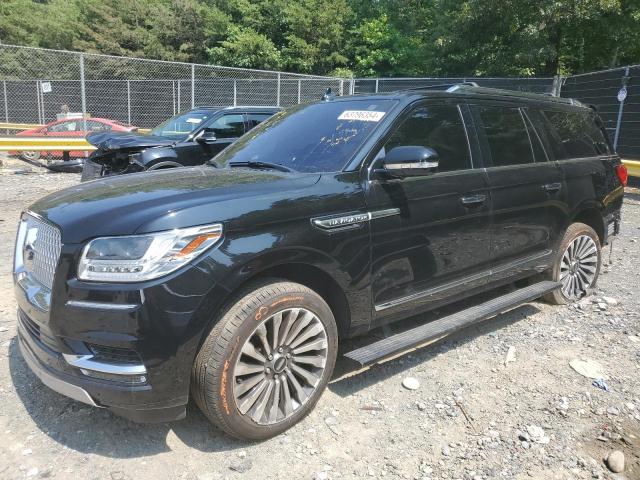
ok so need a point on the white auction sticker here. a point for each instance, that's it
(193, 120)
(362, 115)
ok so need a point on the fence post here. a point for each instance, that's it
(38, 101)
(128, 102)
(179, 100)
(625, 81)
(173, 95)
(341, 87)
(278, 92)
(83, 97)
(6, 102)
(377, 80)
(352, 86)
(235, 93)
(556, 88)
(299, 90)
(193, 85)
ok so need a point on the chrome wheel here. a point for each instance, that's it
(579, 266)
(280, 365)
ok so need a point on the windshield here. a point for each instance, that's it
(321, 137)
(180, 126)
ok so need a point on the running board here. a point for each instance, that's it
(417, 337)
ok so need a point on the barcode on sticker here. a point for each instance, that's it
(362, 115)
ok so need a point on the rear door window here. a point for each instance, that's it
(503, 131)
(228, 126)
(575, 134)
(438, 127)
(255, 119)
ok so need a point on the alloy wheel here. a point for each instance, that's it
(280, 365)
(578, 267)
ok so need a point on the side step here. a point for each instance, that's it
(432, 331)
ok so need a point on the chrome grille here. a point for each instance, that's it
(45, 241)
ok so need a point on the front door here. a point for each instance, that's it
(227, 129)
(525, 189)
(430, 234)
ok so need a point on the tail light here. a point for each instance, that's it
(623, 174)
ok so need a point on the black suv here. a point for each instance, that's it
(235, 282)
(188, 139)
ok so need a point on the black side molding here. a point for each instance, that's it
(416, 337)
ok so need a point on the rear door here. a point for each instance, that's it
(430, 234)
(525, 189)
(253, 119)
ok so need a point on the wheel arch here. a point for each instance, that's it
(592, 216)
(317, 280)
(163, 164)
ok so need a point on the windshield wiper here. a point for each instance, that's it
(258, 164)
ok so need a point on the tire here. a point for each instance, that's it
(30, 156)
(236, 391)
(577, 269)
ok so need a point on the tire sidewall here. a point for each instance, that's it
(244, 426)
(575, 230)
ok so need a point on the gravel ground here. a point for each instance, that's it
(495, 401)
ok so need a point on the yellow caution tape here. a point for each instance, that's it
(19, 126)
(22, 144)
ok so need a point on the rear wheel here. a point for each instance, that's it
(266, 362)
(576, 265)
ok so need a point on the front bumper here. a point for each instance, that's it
(62, 377)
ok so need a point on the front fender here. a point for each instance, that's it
(153, 156)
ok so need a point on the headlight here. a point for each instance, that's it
(144, 257)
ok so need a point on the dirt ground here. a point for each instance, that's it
(478, 413)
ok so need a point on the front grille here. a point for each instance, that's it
(114, 355)
(44, 239)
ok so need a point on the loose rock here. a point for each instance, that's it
(615, 461)
(411, 383)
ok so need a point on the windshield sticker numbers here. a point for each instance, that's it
(193, 120)
(362, 115)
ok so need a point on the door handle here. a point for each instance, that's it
(472, 200)
(552, 187)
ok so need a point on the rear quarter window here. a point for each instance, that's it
(575, 134)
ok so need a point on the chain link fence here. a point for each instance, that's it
(36, 83)
(616, 95)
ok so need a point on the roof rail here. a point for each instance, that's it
(449, 87)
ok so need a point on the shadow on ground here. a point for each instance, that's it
(90, 430)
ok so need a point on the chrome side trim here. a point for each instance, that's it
(456, 283)
(353, 220)
(412, 165)
(86, 362)
(121, 307)
(54, 383)
(388, 212)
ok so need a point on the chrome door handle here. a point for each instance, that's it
(471, 200)
(552, 187)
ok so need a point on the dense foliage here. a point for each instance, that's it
(360, 37)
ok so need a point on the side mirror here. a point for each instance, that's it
(208, 137)
(411, 160)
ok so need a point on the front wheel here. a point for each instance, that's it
(576, 265)
(30, 156)
(266, 362)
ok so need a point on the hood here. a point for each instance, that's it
(174, 198)
(126, 140)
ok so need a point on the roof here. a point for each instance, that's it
(469, 90)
